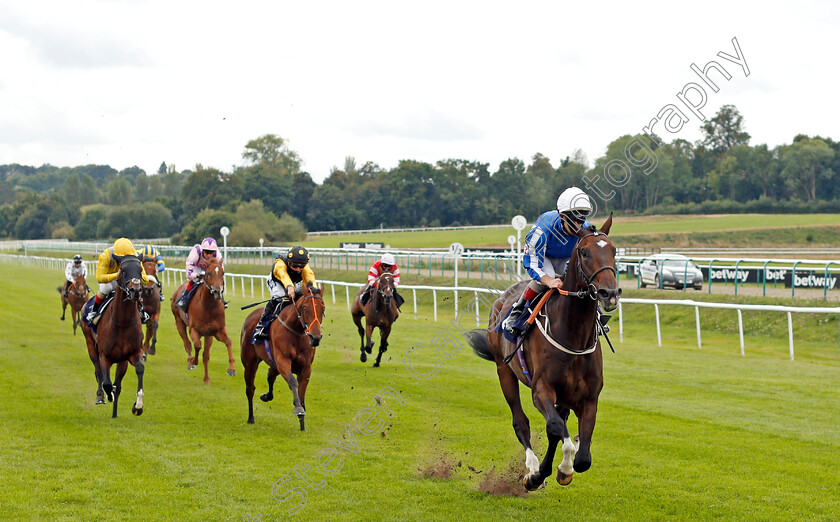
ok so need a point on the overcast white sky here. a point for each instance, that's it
(132, 82)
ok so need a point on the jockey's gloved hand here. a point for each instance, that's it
(160, 266)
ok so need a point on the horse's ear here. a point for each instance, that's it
(605, 228)
(321, 289)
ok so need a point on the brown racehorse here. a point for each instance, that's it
(150, 297)
(76, 297)
(562, 353)
(205, 318)
(119, 337)
(380, 311)
(293, 336)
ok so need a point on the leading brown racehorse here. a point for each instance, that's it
(380, 311)
(76, 297)
(119, 337)
(562, 356)
(293, 336)
(205, 317)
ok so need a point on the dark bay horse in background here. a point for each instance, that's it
(205, 318)
(119, 337)
(293, 336)
(76, 297)
(562, 356)
(380, 311)
(150, 297)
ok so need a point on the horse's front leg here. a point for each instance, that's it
(105, 375)
(303, 382)
(384, 331)
(521, 425)
(555, 428)
(140, 369)
(223, 336)
(586, 425)
(357, 319)
(152, 349)
(368, 334)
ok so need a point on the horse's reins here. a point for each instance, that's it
(126, 298)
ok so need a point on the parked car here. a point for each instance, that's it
(673, 269)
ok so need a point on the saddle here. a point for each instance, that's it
(89, 304)
(522, 322)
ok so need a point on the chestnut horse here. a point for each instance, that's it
(380, 311)
(76, 297)
(293, 336)
(150, 297)
(205, 318)
(562, 356)
(119, 337)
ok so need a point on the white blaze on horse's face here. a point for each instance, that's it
(602, 243)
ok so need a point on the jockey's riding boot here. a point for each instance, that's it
(261, 331)
(515, 313)
(160, 289)
(93, 311)
(144, 315)
(182, 302)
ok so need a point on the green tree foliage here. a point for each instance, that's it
(207, 223)
(118, 191)
(253, 221)
(88, 225)
(806, 165)
(206, 189)
(34, 222)
(271, 151)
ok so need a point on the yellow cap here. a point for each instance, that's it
(123, 247)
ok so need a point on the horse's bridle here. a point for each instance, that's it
(377, 286)
(591, 289)
(124, 284)
(216, 294)
(300, 316)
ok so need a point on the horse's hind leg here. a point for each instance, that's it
(565, 471)
(121, 369)
(384, 332)
(368, 334)
(185, 337)
(521, 425)
(250, 361)
(357, 318)
(105, 373)
(208, 342)
(152, 349)
(140, 369)
(272, 376)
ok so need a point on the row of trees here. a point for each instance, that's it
(272, 197)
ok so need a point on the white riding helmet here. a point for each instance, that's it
(574, 200)
(388, 259)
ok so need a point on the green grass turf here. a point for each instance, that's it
(682, 433)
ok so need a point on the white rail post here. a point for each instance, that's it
(332, 287)
(620, 324)
(477, 323)
(414, 295)
(658, 331)
(434, 303)
(790, 334)
(347, 292)
(741, 331)
(697, 320)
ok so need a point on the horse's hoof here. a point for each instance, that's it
(61, 318)
(144, 357)
(302, 428)
(531, 484)
(299, 411)
(563, 479)
(369, 348)
(363, 357)
(151, 350)
(250, 420)
(231, 372)
(191, 367)
(137, 411)
(376, 365)
(100, 399)
(266, 397)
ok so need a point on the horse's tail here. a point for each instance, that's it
(478, 340)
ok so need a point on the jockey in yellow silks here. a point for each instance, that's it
(290, 268)
(107, 272)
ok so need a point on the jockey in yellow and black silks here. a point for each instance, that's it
(290, 268)
(150, 253)
(107, 272)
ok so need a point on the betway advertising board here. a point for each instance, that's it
(802, 278)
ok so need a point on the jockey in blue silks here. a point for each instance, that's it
(548, 248)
